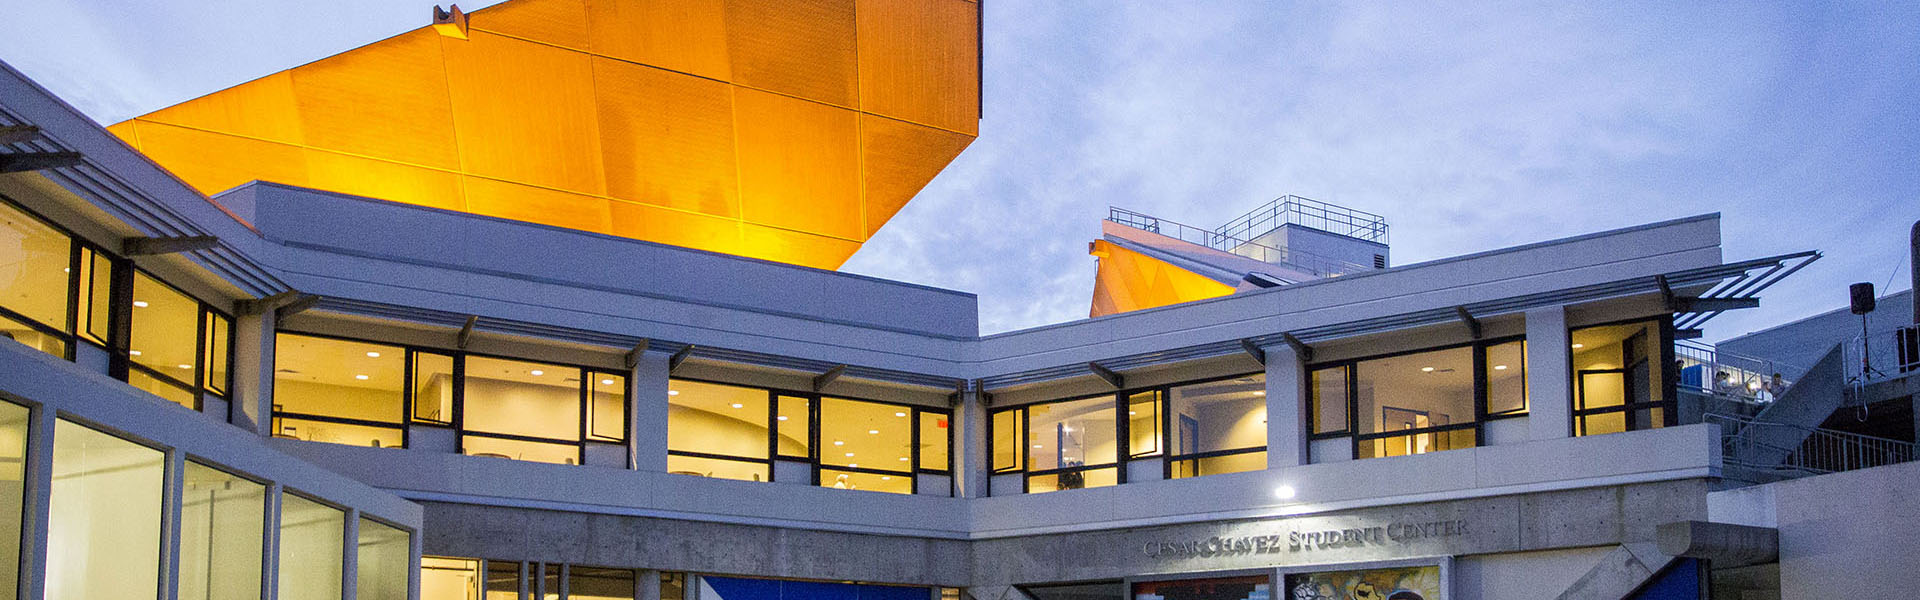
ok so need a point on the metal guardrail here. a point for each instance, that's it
(1821, 451)
(1882, 355)
(1307, 212)
(1322, 266)
(1748, 379)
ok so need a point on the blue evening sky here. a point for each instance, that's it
(1470, 127)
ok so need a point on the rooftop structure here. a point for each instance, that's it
(1147, 261)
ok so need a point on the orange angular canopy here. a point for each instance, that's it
(787, 130)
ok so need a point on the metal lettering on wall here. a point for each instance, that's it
(1306, 540)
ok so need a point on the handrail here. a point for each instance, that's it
(1884, 354)
(1819, 451)
(1749, 379)
(1305, 261)
(1307, 212)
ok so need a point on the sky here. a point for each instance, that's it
(1470, 127)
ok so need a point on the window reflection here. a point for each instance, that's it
(1618, 379)
(223, 520)
(13, 461)
(449, 578)
(103, 538)
(1071, 435)
(338, 391)
(720, 421)
(33, 269)
(384, 558)
(1216, 417)
(522, 398)
(312, 549)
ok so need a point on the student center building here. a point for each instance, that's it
(539, 302)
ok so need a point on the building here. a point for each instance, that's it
(288, 391)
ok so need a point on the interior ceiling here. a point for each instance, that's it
(776, 129)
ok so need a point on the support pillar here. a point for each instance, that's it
(1549, 376)
(647, 413)
(252, 394)
(1286, 408)
(646, 584)
(973, 467)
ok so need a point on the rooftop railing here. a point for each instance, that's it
(1748, 385)
(1322, 266)
(1307, 212)
(1882, 355)
(1822, 451)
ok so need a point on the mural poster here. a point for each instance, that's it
(1392, 583)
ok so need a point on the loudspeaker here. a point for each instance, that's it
(1862, 297)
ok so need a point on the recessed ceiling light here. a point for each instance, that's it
(849, 455)
(899, 414)
(673, 392)
(606, 382)
(886, 478)
(139, 304)
(739, 405)
(873, 432)
(373, 355)
(1038, 446)
(537, 373)
(360, 377)
(903, 459)
(1426, 369)
(66, 270)
(839, 443)
(1579, 345)
(1499, 367)
(783, 417)
(134, 352)
(1259, 392)
(855, 465)
(1130, 413)
(184, 366)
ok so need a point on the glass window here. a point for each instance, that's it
(96, 293)
(1506, 369)
(701, 466)
(312, 549)
(1215, 465)
(549, 582)
(1008, 452)
(607, 409)
(936, 441)
(335, 432)
(223, 520)
(166, 329)
(163, 388)
(673, 586)
(1220, 415)
(34, 337)
(383, 561)
(219, 336)
(710, 418)
(13, 461)
(103, 530)
(1073, 480)
(873, 435)
(329, 378)
(432, 388)
(546, 452)
(449, 578)
(1618, 379)
(503, 580)
(1330, 400)
(1143, 424)
(34, 268)
(872, 482)
(589, 583)
(1415, 391)
(1071, 434)
(795, 424)
(522, 398)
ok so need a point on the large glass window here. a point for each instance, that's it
(35, 275)
(736, 432)
(339, 391)
(1419, 402)
(13, 461)
(716, 430)
(1218, 427)
(1009, 428)
(173, 350)
(312, 549)
(223, 519)
(1145, 424)
(432, 387)
(503, 580)
(1620, 378)
(103, 538)
(1072, 444)
(449, 578)
(589, 583)
(535, 404)
(383, 562)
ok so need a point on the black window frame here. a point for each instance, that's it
(1669, 382)
(70, 332)
(1123, 454)
(813, 458)
(1352, 432)
(122, 364)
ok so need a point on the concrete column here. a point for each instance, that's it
(1549, 379)
(975, 451)
(1286, 408)
(647, 417)
(252, 394)
(646, 584)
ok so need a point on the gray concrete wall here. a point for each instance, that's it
(1845, 535)
(603, 540)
